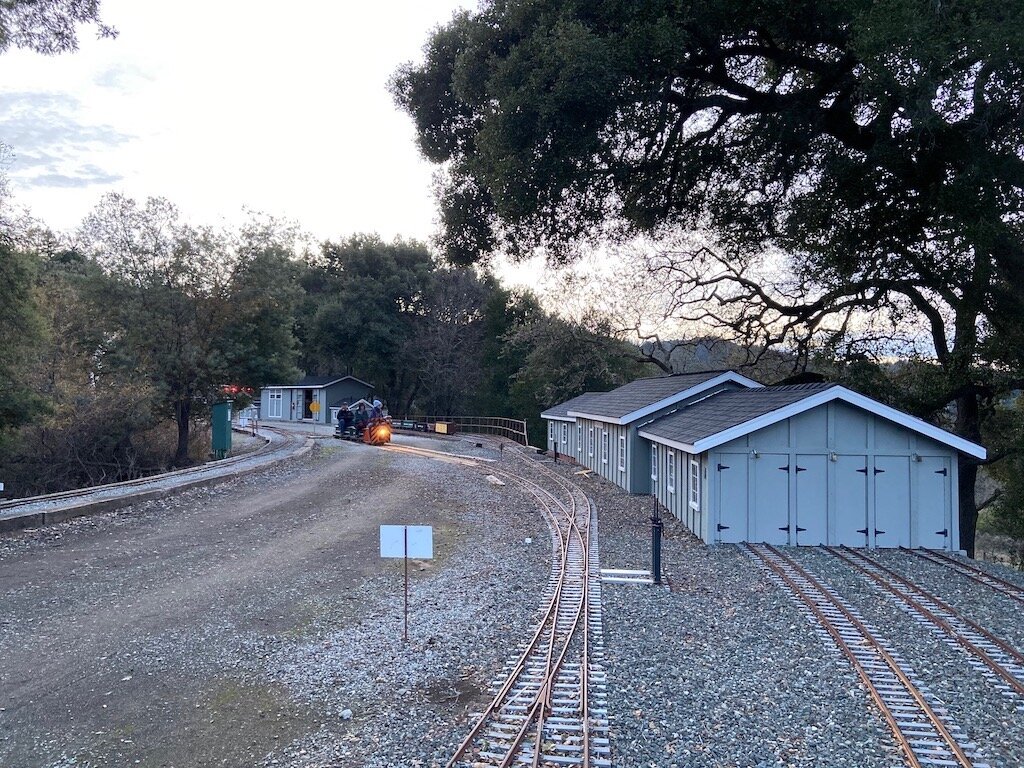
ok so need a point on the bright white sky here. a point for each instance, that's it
(223, 104)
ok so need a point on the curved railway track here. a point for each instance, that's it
(1003, 587)
(920, 726)
(987, 653)
(549, 710)
(54, 507)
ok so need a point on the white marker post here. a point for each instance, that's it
(407, 541)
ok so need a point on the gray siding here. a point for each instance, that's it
(635, 477)
(840, 475)
(674, 487)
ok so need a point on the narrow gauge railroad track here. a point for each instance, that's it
(919, 727)
(1003, 587)
(545, 712)
(46, 504)
(986, 652)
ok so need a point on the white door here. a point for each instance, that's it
(770, 519)
(852, 501)
(934, 485)
(811, 500)
(892, 501)
(732, 498)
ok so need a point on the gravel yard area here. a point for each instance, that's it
(254, 624)
(722, 670)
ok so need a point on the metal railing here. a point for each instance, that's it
(513, 429)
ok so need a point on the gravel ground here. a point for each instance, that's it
(410, 704)
(988, 718)
(254, 625)
(723, 671)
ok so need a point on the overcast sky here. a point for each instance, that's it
(225, 104)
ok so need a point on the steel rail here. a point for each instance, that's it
(573, 531)
(584, 706)
(520, 664)
(1004, 587)
(914, 596)
(566, 621)
(869, 639)
(584, 675)
(543, 701)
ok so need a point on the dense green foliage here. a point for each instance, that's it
(876, 145)
(112, 352)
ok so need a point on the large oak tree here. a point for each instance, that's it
(877, 146)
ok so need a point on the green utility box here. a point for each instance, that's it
(221, 429)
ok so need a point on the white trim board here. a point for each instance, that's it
(557, 418)
(318, 386)
(647, 410)
(832, 393)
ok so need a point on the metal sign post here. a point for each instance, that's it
(407, 541)
(656, 528)
(314, 408)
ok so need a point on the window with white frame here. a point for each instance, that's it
(654, 463)
(579, 439)
(604, 446)
(274, 400)
(670, 472)
(565, 433)
(622, 453)
(551, 431)
(695, 484)
(590, 442)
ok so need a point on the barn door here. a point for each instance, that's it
(933, 502)
(892, 501)
(732, 498)
(771, 498)
(811, 500)
(852, 501)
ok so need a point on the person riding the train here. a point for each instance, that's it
(362, 417)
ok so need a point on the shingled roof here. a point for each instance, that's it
(727, 415)
(561, 411)
(727, 409)
(644, 396)
(316, 382)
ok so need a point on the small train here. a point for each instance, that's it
(376, 431)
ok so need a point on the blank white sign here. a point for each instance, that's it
(420, 541)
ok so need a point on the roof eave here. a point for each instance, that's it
(671, 400)
(666, 441)
(853, 398)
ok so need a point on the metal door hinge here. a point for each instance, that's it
(942, 472)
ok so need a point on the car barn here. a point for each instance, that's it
(606, 423)
(563, 432)
(807, 464)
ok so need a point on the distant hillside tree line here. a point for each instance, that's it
(114, 347)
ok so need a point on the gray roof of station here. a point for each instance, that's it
(728, 409)
(642, 393)
(315, 382)
(561, 411)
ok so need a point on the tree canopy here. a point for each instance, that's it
(48, 26)
(874, 148)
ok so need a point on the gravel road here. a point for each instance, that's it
(254, 625)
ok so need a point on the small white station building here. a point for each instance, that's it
(803, 464)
